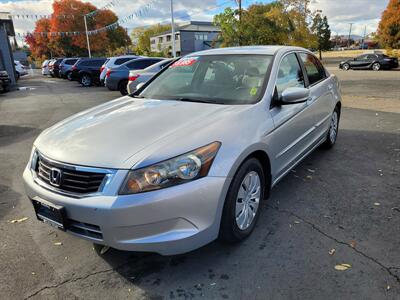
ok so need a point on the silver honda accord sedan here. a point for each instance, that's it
(190, 156)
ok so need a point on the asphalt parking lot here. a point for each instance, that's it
(338, 207)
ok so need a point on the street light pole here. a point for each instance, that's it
(173, 29)
(87, 36)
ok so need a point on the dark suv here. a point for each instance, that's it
(87, 70)
(4, 82)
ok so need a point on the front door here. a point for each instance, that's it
(293, 123)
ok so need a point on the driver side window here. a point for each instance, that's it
(289, 74)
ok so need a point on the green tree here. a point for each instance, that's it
(141, 37)
(277, 22)
(228, 22)
(320, 28)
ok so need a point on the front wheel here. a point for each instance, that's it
(346, 67)
(86, 80)
(376, 66)
(333, 129)
(241, 209)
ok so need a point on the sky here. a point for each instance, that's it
(363, 13)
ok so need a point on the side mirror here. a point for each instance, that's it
(294, 95)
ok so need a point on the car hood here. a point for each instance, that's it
(110, 134)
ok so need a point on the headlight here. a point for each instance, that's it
(33, 159)
(183, 168)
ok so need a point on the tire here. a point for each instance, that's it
(123, 87)
(5, 89)
(234, 227)
(86, 80)
(346, 67)
(376, 66)
(331, 135)
(69, 76)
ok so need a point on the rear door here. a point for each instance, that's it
(321, 101)
(94, 66)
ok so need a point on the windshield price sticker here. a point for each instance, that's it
(184, 62)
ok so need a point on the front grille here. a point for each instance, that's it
(71, 180)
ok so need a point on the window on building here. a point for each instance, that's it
(200, 36)
(153, 41)
(160, 39)
(168, 38)
(176, 36)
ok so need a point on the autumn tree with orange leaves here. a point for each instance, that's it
(389, 26)
(49, 37)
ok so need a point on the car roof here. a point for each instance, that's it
(123, 56)
(266, 50)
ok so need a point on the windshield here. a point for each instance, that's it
(225, 79)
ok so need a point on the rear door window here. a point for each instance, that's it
(314, 69)
(120, 61)
(140, 64)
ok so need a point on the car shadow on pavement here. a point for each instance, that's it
(306, 192)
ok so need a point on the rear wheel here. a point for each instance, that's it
(122, 87)
(376, 66)
(241, 208)
(86, 80)
(5, 89)
(333, 129)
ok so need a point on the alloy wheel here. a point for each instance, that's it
(247, 200)
(376, 66)
(346, 67)
(333, 128)
(86, 81)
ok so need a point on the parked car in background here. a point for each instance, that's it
(4, 82)
(20, 69)
(87, 71)
(45, 67)
(112, 62)
(66, 66)
(190, 157)
(371, 61)
(117, 78)
(141, 76)
(54, 67)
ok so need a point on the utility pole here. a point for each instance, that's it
(239, 2)
(173, 29)
(363, 41)
(348, 40)
(87, 36)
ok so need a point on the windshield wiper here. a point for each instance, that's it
(185, 99)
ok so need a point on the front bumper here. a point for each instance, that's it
(168, 221)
